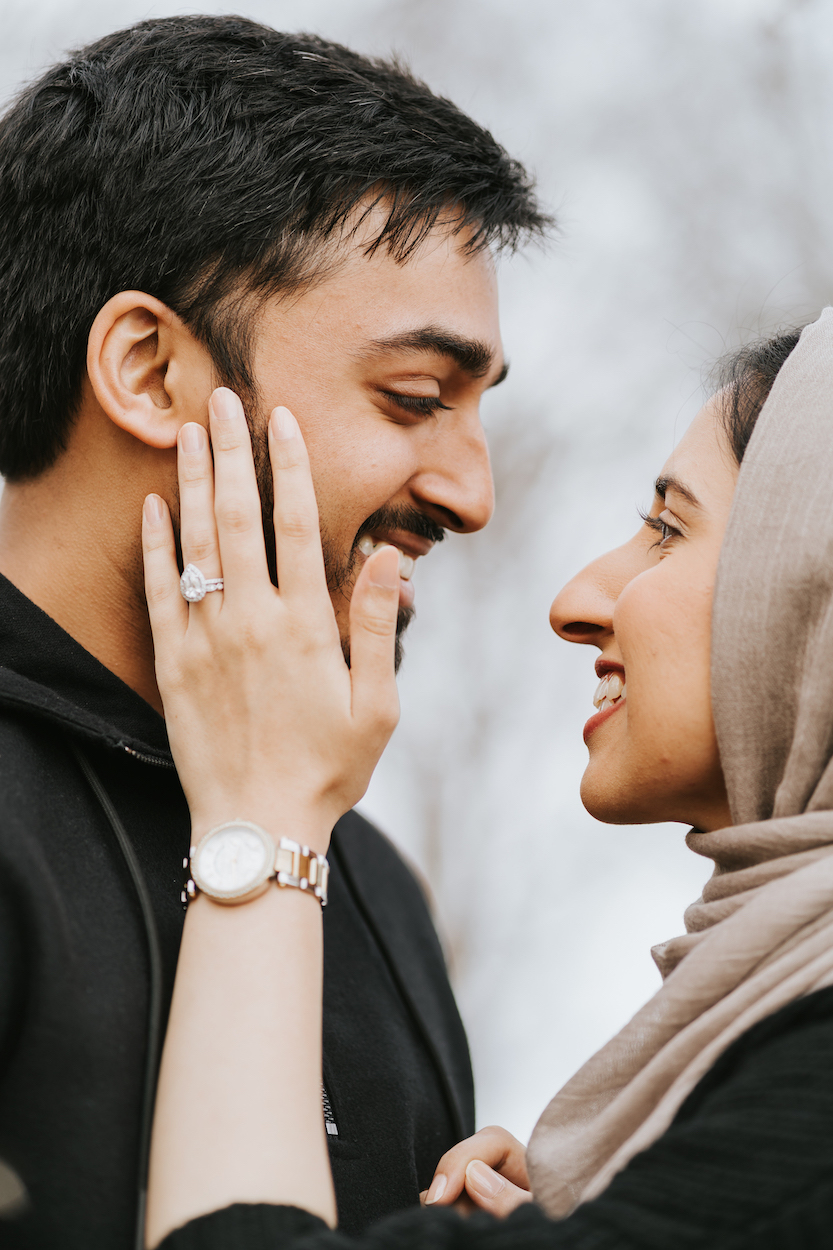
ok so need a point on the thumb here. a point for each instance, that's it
(492, 1192)
(373, 611)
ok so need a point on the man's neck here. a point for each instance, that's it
(80, 562)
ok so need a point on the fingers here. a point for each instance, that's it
(494, 1146)
(236, 497)
(168, 610)
(373, 610)
(198, 529)
(492, 1192)
(297, 535)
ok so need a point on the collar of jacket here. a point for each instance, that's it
(45, 673)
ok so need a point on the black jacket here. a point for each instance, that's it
(746, 1165)
(93, 831)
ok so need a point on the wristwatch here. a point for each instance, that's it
(236, 862)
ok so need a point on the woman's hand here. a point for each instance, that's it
(266, 721)
(489, 1169)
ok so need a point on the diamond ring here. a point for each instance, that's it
(194, 586)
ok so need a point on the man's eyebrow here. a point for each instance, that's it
(664, 484)
(470, 355)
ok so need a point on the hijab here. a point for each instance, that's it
(761, 935)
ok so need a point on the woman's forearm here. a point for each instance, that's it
(268, 725)
(239, 1114)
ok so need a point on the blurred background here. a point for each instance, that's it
(687, 150)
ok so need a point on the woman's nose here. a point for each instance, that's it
(583, 610)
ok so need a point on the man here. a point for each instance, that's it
(191, 202)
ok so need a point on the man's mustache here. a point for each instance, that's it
(401, 517)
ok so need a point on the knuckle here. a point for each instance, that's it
(248, 635)
(235, 517)
(389, 712)
(288, 459)
(157, 594)
(154, 541)
(229, 436)
(201, 545)
(193, 470)
(296, 525)
(379, 624)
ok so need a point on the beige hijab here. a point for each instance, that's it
(762, 933)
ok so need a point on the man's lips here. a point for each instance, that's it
(410, 546)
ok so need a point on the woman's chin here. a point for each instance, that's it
(607, 799)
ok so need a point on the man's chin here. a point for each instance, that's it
(403, 619)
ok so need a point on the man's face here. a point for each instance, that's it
(384, 366)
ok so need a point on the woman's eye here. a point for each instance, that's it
(666, 531)
(423, 405)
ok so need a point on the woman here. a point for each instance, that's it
(708, 1121)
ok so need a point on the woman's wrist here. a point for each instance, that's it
(309, 824)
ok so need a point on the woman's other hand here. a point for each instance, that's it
(266, 720)
(487, 1170)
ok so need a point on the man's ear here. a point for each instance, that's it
(146, 369)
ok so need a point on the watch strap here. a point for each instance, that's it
(295, 866)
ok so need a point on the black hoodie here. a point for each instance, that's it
(93, 831)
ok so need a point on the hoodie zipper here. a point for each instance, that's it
(158, 760)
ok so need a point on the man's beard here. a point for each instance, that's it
(341, 570)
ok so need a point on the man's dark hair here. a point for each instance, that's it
(746, 376)
(205, 161)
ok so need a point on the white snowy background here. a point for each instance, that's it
(688, 151)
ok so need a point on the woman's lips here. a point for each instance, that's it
(611, 693)
(600, 717)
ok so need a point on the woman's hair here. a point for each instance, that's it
(745, 377)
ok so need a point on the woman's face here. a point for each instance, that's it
(647, 607)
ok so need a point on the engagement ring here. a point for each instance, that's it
(194, 586)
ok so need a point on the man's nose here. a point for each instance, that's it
(454, 482)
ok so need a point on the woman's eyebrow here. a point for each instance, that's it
(663, 484)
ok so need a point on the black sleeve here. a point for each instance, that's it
(747, 1163)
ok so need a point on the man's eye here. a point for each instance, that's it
(425, 405)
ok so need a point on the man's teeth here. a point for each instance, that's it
(406, 563)
(610, 690)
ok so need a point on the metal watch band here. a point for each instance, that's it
(301, 868)
(296, 866)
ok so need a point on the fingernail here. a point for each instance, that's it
(284, 424)
(226, 404)
(192, 437)
(384, 569)
(154, 512)
(483, 1179)
(436, 1190)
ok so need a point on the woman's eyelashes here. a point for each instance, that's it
(667, 532)
(419, 405)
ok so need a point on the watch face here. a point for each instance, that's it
(233, 860)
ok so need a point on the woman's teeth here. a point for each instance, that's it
(406, 563)
(610, 690)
